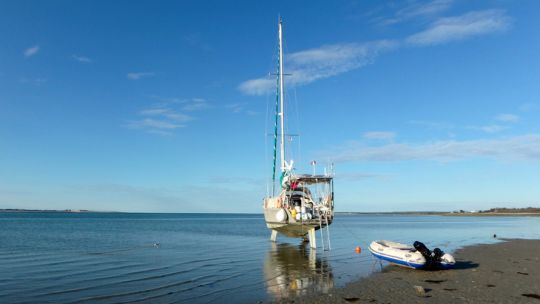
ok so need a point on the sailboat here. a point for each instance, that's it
(299, 204)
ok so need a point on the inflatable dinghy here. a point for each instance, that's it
(416, 257)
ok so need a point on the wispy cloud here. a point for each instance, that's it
(331, 60)
(151, 124)
(126, 197)
(159, 120)
(166, 100)
(353, 177)
(31, 51)
(492, 128)
(139, 75)
(259, 86)
(436, 125)
(236, 180)
(503, 122)
(195, 104)
(429, 8)
(133, 197)
(319, 63)
(461, 27)
(500, 123)
(35, 81)
(528, 107)
(167, 115)
(184, 104)
(82, 59)
(379, 135)
(507, 118)
(240, 108)
(525, 147)
(417, 9)
(236, 107)
(195, 40)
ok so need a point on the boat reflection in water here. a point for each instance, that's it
(293, 270)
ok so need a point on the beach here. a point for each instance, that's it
(505, 272)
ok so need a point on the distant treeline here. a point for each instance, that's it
(492, 211)
(512, 210)
(37, 210)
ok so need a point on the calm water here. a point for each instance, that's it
(111, 257)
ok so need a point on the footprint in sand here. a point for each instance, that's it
(435, 281)
(531, 295)
(351, 299)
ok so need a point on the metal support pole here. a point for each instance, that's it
(328, 233)
(312, 240)
(273, 237)
(321, 229)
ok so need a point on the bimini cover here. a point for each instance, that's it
(310, 179)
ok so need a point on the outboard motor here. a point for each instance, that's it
(422, 249)
(433, 259)
(437, 254)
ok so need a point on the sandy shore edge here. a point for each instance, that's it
(505, 272)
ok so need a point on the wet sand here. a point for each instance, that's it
(506, 272)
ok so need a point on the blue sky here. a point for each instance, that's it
(164, 106)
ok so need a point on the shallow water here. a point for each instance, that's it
(201, 258)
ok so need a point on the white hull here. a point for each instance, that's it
(290, 226)
(396, 253)
(404, 255)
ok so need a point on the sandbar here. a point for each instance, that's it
(504, 272)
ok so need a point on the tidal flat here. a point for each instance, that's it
(506, 272)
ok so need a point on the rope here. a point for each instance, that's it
(266, 122)
(298, 126)
(349, 231)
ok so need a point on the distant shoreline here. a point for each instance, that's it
(53, 211)
(528, 211)
(443, 213)
(495, 214)
(342, 213)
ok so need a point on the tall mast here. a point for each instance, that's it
(281, 113)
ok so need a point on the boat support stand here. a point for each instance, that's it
(312, 238)
(273, 236)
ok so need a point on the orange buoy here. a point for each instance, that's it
(357, 249)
